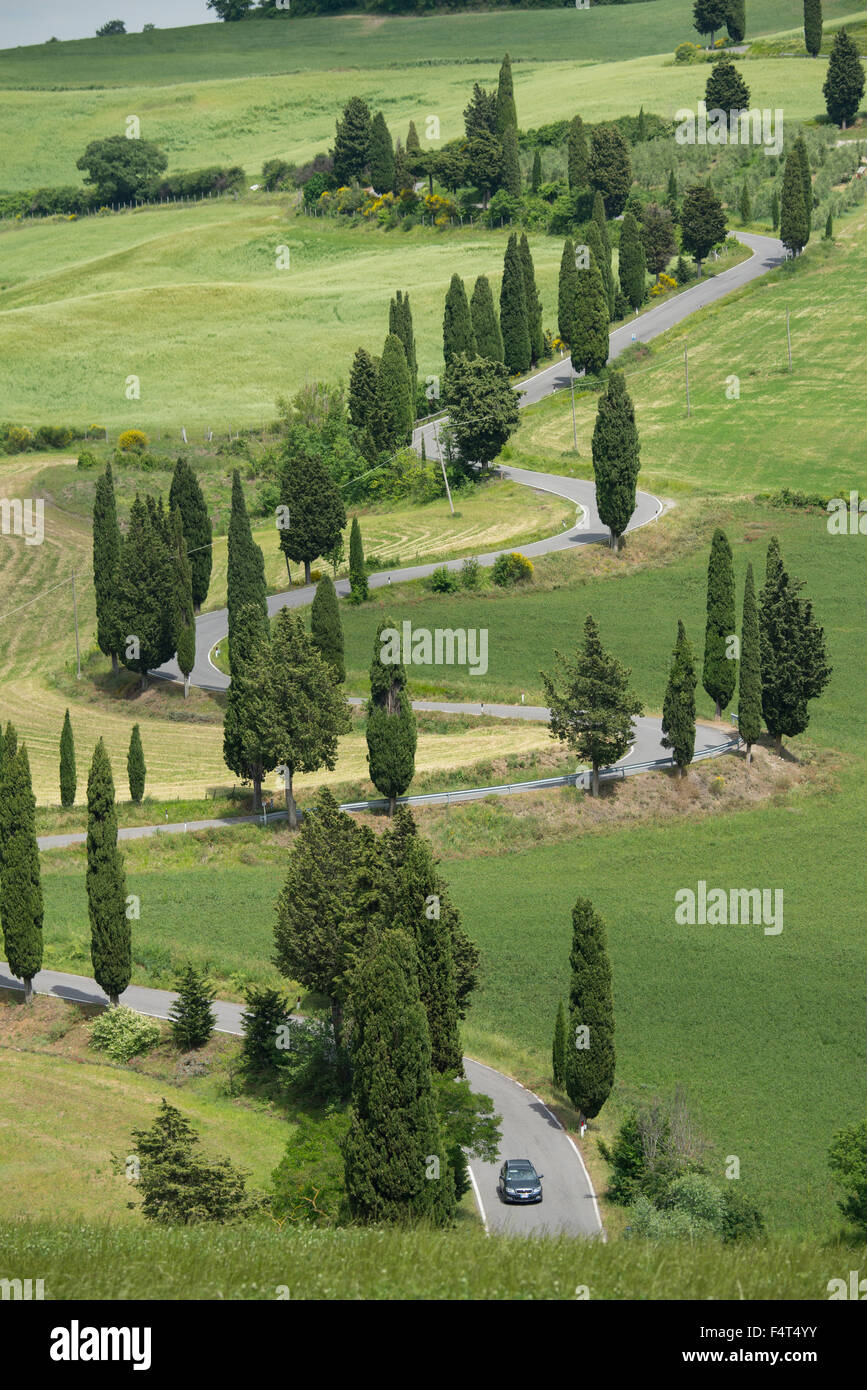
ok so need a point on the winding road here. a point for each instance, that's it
(529, 1129)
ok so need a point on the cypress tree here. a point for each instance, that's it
(829, 227)
(590, 1060)
(394, 1134)
(558, 1049)
(400, 323)
(192, 1018)
(593, 239)
(186, 494)
(110, 937)
(507, 115)
(719, 673)
(352, 143)
(363, 401)
(106, 560)
(514, 324)
(800, 148)
(604, 260)
(844, 81)
(245, 578)
(391, 724)
(567, 295)
(641, 128)
(577, 157)
(775, 210)
(135, 765)
(396, 399)
(412, 140)
(68, 777)
(486, 327)
(671, 194)
(736, 20)
(457, 323)
(534, 306)
(633, 267)
(813, 27)
(610, 168)
(793, 214)
(326, 629)
(589, 337)
(750, 670)
(678, 709)
(245, 717)
(746, 207)
(381, 158)
(510, 173)
(536, 175)
(794, 664)
(144, 591)
(616, 451)
(184, 623)
(357, 567)
(21, 907)
(315, 515)
(9, 743)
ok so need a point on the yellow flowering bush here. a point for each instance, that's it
(664, 284)
(132, 442)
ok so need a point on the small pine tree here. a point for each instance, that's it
(135, 765)
(720, 672)
(750, 670)
(590, 1059)
(68, 777)
(514, 322)
(110, 937)
(326, 628)
(813, 27)
(458, 333)
(844, 81)
(21, 907)
(177, 1186)
(486, 327)
(558, 1050)
(262, 1020)
(678, 709)
(193, 1019)
(358, 587)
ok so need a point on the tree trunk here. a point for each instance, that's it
(391, 805)
(291, 808)
(718, 714)
(114, 665)
(749, 753)
(197, 608)
(306, 571)
(288, 570)
(113, 1001)
(186, 686)
(337, 1021)
(28, 990)
(144, 681)
(257, 791)
(594, 781)
(778, 745)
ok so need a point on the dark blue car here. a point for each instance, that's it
(519, 1181)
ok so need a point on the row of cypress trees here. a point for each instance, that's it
(135, 764)
(21, 902)
(383, 391)
(472, 327)
(150, 582)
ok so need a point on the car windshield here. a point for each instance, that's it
(521, 1170)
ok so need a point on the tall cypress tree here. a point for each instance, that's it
(577, 155)
(246, 714)
(106, 560)
(363, 401)
(795, 669)
(813, 27)
(593, 240)
(793, 214)
(186, 494)
(21, 900)
(381, 157)
(400, 323)
(144, 591)
(326, 629)
(486, 327)
(351, 151)
(514, 324)
(536, 175)
(598, 216)
(719, 672)
(245, 576)
(391, 725)
(589, 337)
(315, 515)
(68, 777)
(110, 935)
(558, 1048)
(633, 266)
(736, 20)
(9, 743)
(135, 765)
(357, 566)
(534, 305)
(510, 172)
(800, 148)
(843, 87)
(184, 623)
(590, 1059)
(616, 462)
(775, 210)
(750, 670)
(396, 400)
(458, 333)
(507, 115)
(678, 708)
(567, 294)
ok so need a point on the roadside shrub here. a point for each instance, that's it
(444, 581)
(86, 459)
(122, 1033)
(14, 439)
(688, 53)
(470, 575)
(132, 442)
(55, 436)
(513, 568)
(313, 189)
(742, 1219)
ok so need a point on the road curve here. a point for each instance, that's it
(529, 1130)
(768, 253)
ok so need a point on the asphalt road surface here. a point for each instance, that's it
(529, 1129)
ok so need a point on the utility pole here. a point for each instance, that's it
(574, 427)
(686, 371)
(75, 615)
(789, 339)
(442, 465)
